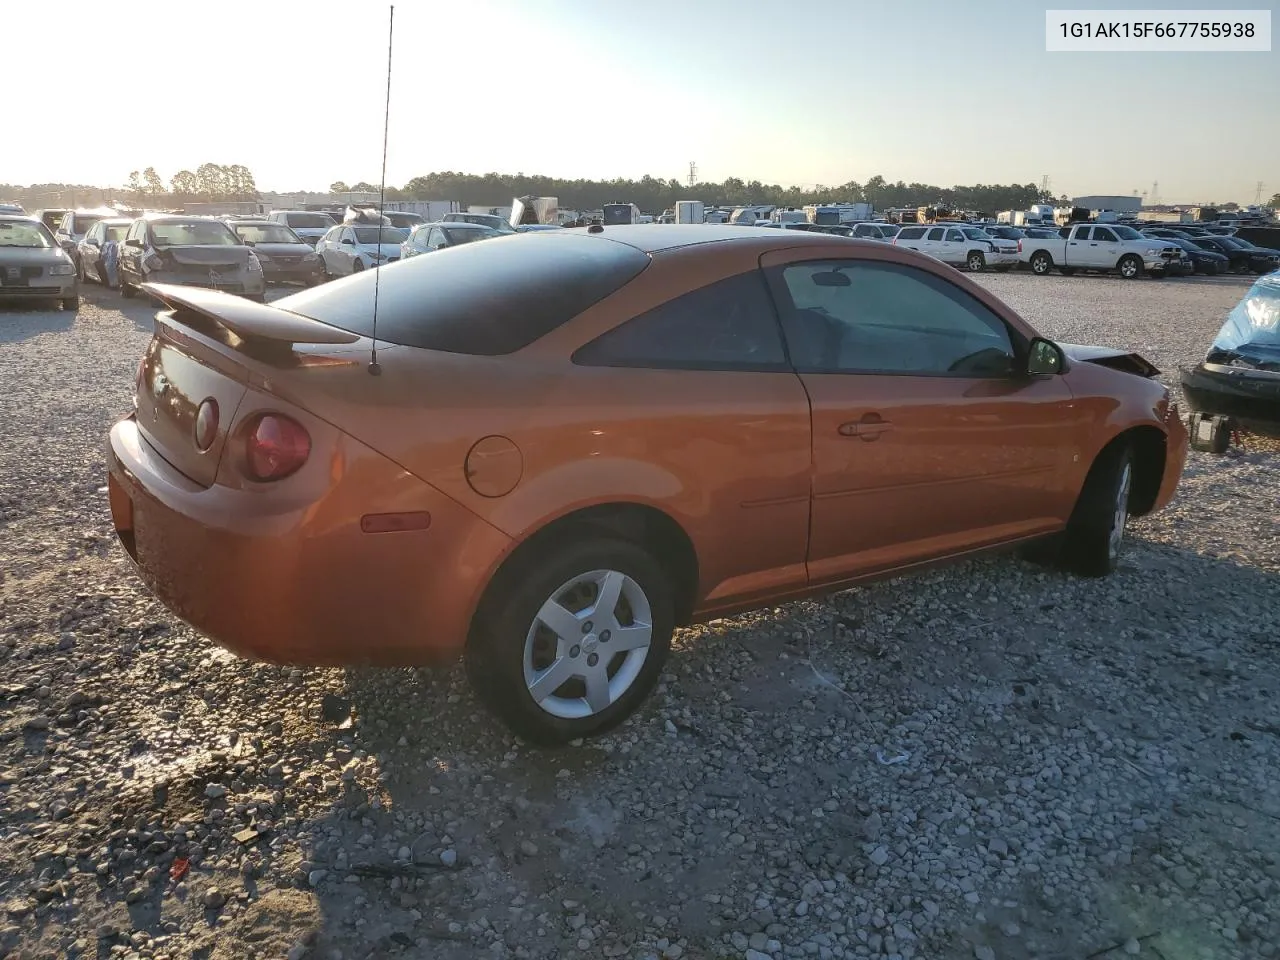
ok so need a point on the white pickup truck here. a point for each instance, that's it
(1092, 246)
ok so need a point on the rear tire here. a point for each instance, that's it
(1095, 532)
(357, 266)
(1041, 263)
(512, 649)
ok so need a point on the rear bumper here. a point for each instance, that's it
(1250, 397)
(276, 579)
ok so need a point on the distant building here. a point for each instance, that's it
(1121, 204)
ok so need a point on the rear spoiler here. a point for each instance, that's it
(245, 318)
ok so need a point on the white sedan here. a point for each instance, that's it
(350, 248)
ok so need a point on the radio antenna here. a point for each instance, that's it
(374, 368)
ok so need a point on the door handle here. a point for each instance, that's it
(868, 428)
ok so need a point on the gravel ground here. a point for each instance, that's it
(1088, 768)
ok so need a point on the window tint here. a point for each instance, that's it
(1082, 234)
(485, 299)
(726, 325)
(911, 233)
(935, 234)
(955, 236)
(866, 317)
(1102, 233)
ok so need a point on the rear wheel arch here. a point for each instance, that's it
(646, 526)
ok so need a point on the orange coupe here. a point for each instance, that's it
(555, 448)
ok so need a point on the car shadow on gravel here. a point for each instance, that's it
(22, 320)
(1085, 762)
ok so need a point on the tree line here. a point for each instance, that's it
(653, 195)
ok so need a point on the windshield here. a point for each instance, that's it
(192, 233)
(21, 233)
(369, 235)
(466, 235)
(266, 233)
(1126, 233)
(977, 235)
(117, 233)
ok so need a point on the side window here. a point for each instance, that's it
(726, 325)
(96, 232)
(955, 236)
(883, 318)
(431, 238)
(935, 234)
(136, 231)
(66, 223)
(1083, 233)
(1102, 233)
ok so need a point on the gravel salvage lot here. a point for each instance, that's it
(1092, 765)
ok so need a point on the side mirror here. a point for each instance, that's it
(347, 241)
(1045, 358)
(135, 243)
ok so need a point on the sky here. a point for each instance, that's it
(795, 92)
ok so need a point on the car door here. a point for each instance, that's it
(927, 439)
(955, 246)
(1081, 251)
(325, 247)
(1105, 247)
(933, 243)
(348, 249)
(736, 427)
(90, 249)
(131, 252)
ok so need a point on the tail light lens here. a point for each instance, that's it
(275, 447)
(1019, 246)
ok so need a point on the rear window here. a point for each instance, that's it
(484, 299)
(309, 220)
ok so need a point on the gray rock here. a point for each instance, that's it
(215, 791)
(213, 899)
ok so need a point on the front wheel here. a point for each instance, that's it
(71, 303)
(1095, 532)
(1041, 263)
(568, 645)
(1130, 267)
(357, 266)
(127, 291)
(975, 262)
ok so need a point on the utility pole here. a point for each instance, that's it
(1044, 185)
(1257, 194)
(693, 174)
(1155, 192)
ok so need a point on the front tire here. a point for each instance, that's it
(357, 266)
(975, 262)
(71, 304)
(1095, 532)
(1130, 267)
(127, 291)
(568, 643)
(1041, 263)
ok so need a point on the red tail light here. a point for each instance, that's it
(895, 241)
(276, 446)
(1019, 246)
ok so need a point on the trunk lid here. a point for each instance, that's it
(204, 348)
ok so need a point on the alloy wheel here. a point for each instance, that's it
(1121, 515)
(587, 644)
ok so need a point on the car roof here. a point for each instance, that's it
(19, 217)
(158, 217)
(255, 222)
(656, 237)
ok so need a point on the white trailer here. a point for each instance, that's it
(690, 211)
(429, 210)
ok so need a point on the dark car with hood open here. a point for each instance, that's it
(1237, 386)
